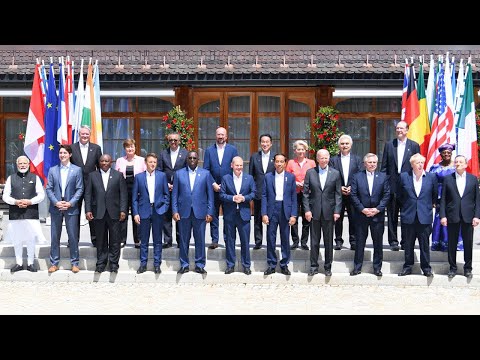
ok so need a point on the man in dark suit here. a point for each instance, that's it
(395, 160)
(418, 192)
(64, 190)
(192, 207)
(236, 192)
(261, 162)
(217, 160)
(369, 196)
(150, 202)
(106, 204)
(460, 211)
(86, 155)
(322, 201)
(347, 164)
(279, 210)
(171, 160)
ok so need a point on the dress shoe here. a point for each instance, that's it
(52, 268)
(328, 272)
(94, 243)
(355, 272)
(122, 245)
(99, 269)
(256, 247)
(114, 270)
(183, 270)
(247, 271)
(213, 246)
(378, 273)
(468, 274)
(166, 246)
(229, 270)
(312, 272)
(16, 268)
(269, 271)
(294, 246)
(75, 269)
(402, 247)
(338, 245)
(394, 248)
(428, 273)
(452, 273)
(305, 247)
(405, 272)
(200, 270)
(353, 246)
(142, 269)
(137, 245)
(156, 270)
(284, 270)
(31, 268)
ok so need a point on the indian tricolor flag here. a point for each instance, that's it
(88, 115)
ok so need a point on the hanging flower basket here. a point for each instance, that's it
(176, 122)
(325, 132)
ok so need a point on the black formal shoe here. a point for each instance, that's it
(142, 269)
(284, 270)
(99, 269)
(137, 245)
(294, 246)
(94, 243)
(394, 247)
(305, 247)
(114, 269)
(269, 271)
(402, 247)
(122, 245)
(229, 270)
(338, 245)
(16, 268)
(183, 270)
(213, 246)
(353, 247)
(355, 272)
(312, 272)
(378, 273)
(31, 268)
(256, 247)
(328, 272)
(405, 272)
(156, 270)
(428, 273)
(451, 273)
(166, 246)
(468, 274)
(200, 270)
(247, 271)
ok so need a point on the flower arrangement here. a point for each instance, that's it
(176, 121)
(325, 132)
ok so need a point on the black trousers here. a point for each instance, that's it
(305, 223)
(453, 230)
(257, 221)
(346, 204)
(168, 227)
(318, 226)
(377, 229)
(422, 233)
(108, 240)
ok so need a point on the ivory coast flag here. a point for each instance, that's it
(419, 130)
(88, 115)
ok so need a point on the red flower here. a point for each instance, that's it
(21, 136)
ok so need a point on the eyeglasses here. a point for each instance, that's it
(192, 158)
(173, 140)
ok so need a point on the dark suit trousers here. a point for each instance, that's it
(257, 221)
(317, 226)
(278, 220)
(168, 226)
(244, 234)
(377, 229)
(108, 232)
(393, 209)
(124, 224)
(215, 223)
(467, 234)
(346, 204)
(155, 223)
(198, 225)
(305, 223)
(422, 233)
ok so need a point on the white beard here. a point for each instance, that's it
(22, 171)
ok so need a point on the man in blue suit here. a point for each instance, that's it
(369, 195)
(150, 201)
(279, 209)
(192, 207)
(236, 192)
(418, 191)
(217, 160)
(64, 190)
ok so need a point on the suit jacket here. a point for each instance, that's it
(390, 161)
(289, 195)
(93, 158)
(210, 161)
(114, 199)
(141, 198)
(200, 199)
(356, 165)
(324, 202)
(255, 169)
(421, 205)
(73, 190)
(227, 191)
(165, 162)
(361, 198)
(456, 208)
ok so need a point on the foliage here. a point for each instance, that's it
(176, 121)
(324, 130)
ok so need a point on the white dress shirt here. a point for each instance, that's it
(279, 180)
(370, 178)
(417, 184)
(461, 182)
(151, 186)
(220, 151)
(265, 160)
(63, 177)
(345, 159)
(173, 156)
(105, 176)
(192, 174)
(322, 174)
(84, 152)
(400, 154)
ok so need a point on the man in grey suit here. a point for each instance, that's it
(106, 203)
(322, 201)
(64, 190)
